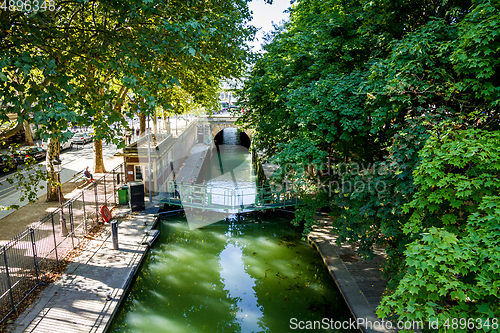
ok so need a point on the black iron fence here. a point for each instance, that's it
(26, 259)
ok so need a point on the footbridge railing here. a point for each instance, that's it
(226, 199)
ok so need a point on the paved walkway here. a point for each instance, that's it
(75, 165)
(89, 292)
(193, 165)
(358, 280)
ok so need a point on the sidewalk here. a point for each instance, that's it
(358, 280)
(192, 167)
(68, 172)
(86, 297)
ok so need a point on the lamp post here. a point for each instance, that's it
(62, 221)
(149, 162)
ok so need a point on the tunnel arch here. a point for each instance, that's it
(216, 128)
(245, 139)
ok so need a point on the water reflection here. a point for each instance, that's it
(248, 275)
(231, 169)
(231, 164)
(240, 286)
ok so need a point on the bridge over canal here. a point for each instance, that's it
(230, 200)
(213, 125)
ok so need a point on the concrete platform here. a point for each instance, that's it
(358, 280)
(190, 170)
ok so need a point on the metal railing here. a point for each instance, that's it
(26, 259)
(229, 199)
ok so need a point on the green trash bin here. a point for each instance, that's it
(123, 195)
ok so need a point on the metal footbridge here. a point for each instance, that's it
(229, 200)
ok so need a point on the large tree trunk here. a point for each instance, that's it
(52, 181)
(142, 123)
(28, 136)
(99, 159)
(98, 156)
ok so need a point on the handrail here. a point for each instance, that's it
(79, 173)
(209, 197)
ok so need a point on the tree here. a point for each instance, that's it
(28, 136)
(451, 264)
(346, 97)
(67, 65)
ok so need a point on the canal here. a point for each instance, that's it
(247, 273)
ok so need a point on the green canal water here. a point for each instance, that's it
(252, 274)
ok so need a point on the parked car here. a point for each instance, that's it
(81, 138)
(65, 145)
(22, 155)
(7, 163)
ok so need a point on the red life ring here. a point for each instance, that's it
(106, 215)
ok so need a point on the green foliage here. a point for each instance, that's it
(452, 268)
(89, 63)
(476, 57)
(26, 182)
(370, 209)
(403, 94)
(459, 168)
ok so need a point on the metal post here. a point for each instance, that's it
(84, 213)
(149, 163)
(105, 195)
(233, 199)
(55, 241)
(96, 203)
(114, 233)
(8, 279)
(33, 244)
(62, 220)
(71, 224)
(114, 188)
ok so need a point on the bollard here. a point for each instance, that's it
(114, 233)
